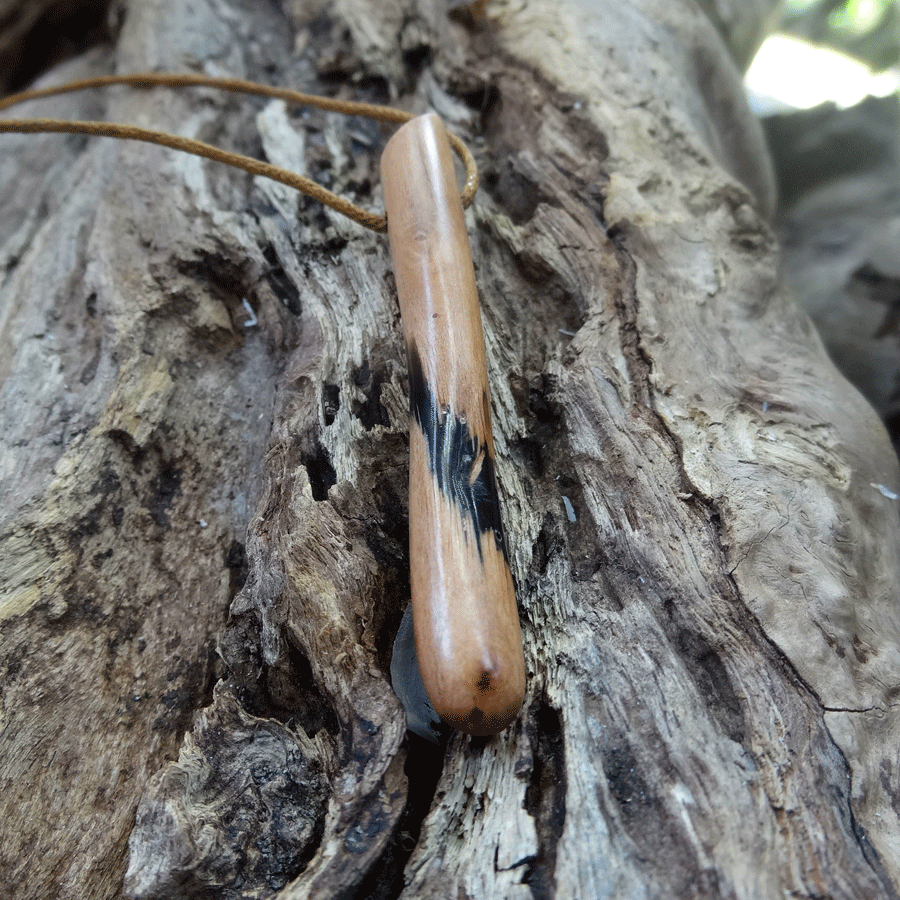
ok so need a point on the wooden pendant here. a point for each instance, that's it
(467, 635)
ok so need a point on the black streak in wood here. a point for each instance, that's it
(454, 454)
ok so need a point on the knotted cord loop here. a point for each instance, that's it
(144, 80)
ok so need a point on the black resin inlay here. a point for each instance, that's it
(458, 460)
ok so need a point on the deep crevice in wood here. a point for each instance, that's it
(545, 797)
(44, 33)
(424, 766)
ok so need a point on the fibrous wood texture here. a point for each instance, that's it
(701, 529)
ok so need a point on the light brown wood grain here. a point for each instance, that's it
(466, 624)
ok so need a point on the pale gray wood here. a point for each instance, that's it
(707, 569)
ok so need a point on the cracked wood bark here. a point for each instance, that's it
(707, 570)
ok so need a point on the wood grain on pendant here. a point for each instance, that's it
(466, 624)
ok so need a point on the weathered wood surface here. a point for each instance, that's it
(707, 571)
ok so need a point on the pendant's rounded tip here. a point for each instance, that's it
(495, 705)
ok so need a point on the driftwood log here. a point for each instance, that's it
(203, 463)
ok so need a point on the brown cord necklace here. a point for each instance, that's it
(468, 644)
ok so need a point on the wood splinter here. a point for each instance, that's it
(467, 636)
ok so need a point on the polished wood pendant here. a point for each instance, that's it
(467, 634)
